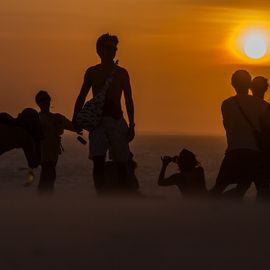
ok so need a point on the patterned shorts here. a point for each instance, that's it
(110, 135)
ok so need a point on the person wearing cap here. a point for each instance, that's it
(190, 179)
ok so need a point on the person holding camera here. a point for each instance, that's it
(190, 180)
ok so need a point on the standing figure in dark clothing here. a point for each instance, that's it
(113, 132)
(259, 86)
(241, 115)
(22, 132)
(53, 125)
(190, 180)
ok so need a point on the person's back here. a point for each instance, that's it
(239, 133)
(192, 182)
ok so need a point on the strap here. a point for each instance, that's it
(244, 114)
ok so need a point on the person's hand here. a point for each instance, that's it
(131, 133)
(77, 129)
(166, 160)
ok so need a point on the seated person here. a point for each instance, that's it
(112, 179)
(22, 132)
(190, 180)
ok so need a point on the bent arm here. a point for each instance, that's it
(67, 124)
(82, 95)
(162, 181)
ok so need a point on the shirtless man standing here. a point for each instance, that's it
(113, 133)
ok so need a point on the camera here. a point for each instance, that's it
(172, 159)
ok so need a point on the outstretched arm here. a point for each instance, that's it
(129, 105)
(82, 96)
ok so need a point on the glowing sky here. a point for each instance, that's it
(176, 52)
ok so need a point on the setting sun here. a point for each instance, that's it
(255, 46)
(251, 43)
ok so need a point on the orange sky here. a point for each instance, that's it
(176, 53)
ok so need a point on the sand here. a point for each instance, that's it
(76, 229)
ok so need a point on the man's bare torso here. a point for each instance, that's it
(96, 76)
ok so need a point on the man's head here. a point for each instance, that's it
(241, 80)
(106, 47)
(259, 86)
(43, 100)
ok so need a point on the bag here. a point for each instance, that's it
(261, 136)
(90, 115)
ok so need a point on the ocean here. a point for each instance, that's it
(74, 169)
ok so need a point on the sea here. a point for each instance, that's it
(74, 168)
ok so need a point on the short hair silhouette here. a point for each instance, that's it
(41, 96)
(241, 80)
(103, 39)
(187, 160)
(259, 85)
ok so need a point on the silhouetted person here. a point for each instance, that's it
(112, 178)
(113, 131)
(22, 132)
(190, 180)
(259, 86)
(53, 125)
(242, 156)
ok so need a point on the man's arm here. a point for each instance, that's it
(82, 95)
(129, 105)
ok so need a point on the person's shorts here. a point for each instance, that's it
(111, 134)
(238, 166)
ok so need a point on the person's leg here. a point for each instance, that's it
(123, 174)
(118, 143)
(248, 168)
(225, 176)
(98, 144)
(47, 177)
(98, 172)
(262, 179)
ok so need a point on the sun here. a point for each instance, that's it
(255, 45)
(251, 43)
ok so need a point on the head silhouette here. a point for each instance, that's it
(259, 86)
(106, 47)
(241, 81)
(187, 160)
(43, 100)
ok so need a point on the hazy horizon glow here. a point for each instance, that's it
(179, 54)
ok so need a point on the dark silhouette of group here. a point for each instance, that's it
(246, 120)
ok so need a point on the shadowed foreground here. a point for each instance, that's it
(74, 230)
